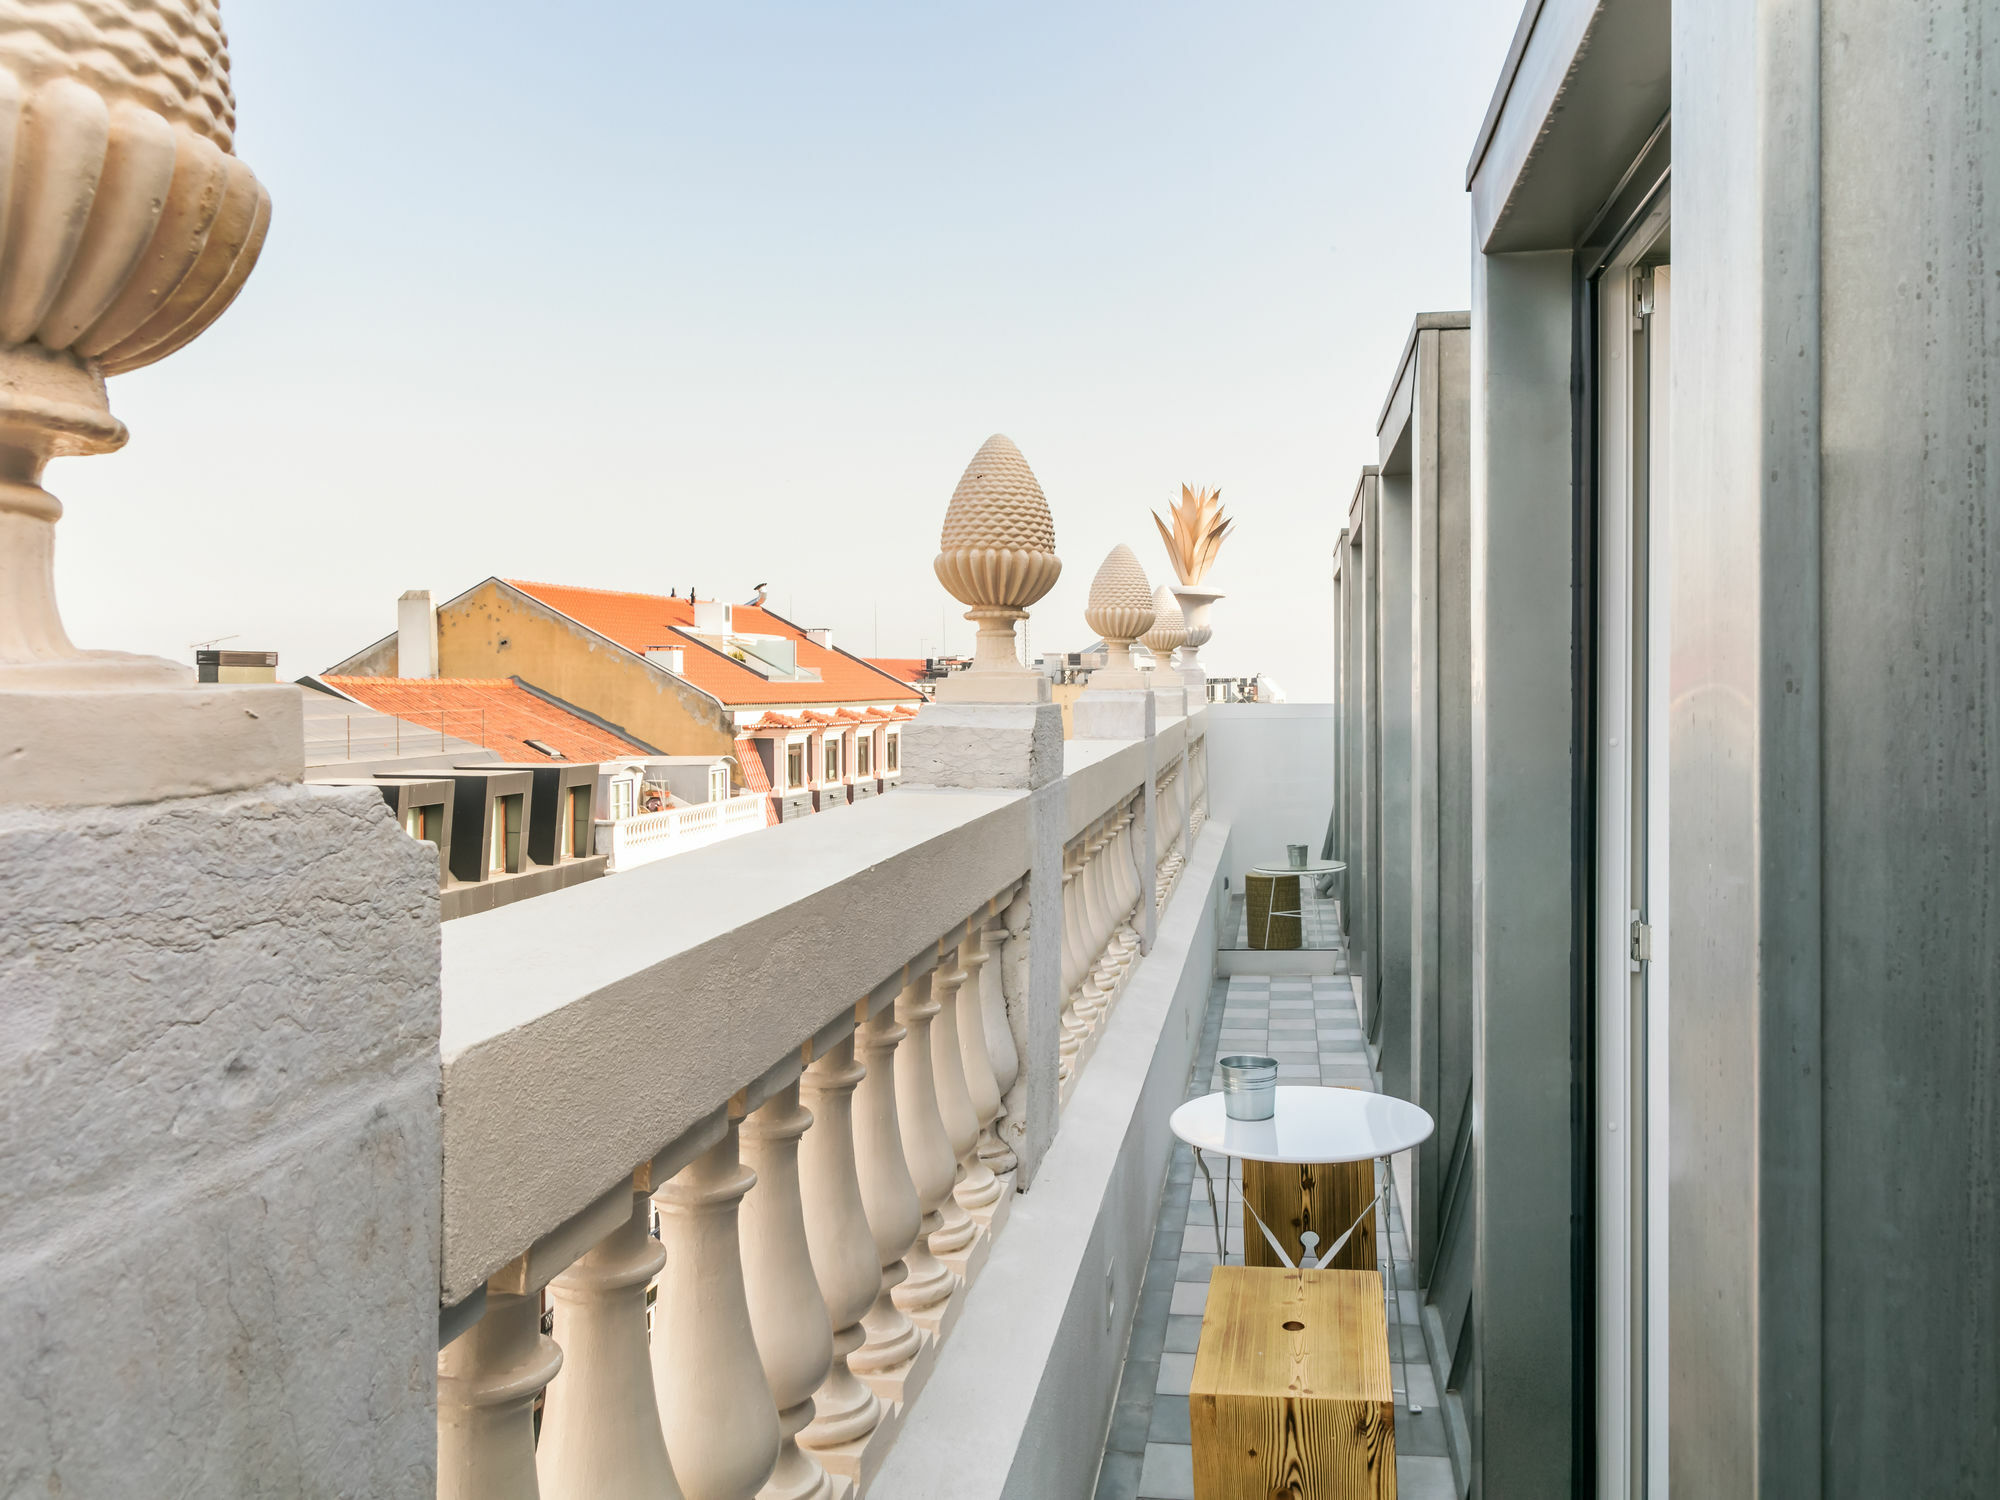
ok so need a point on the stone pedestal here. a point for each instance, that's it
(144, 744)
(223, 1145)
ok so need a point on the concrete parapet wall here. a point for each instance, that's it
(219, 1151)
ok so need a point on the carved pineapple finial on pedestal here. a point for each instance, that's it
(1169, 632)
(1121, 610)
(997, 554)
(130, 227)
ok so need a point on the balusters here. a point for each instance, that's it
(895, 1213)
(956, 1231)
(842, 1248)
(601, 1435)
(1095, 930)
(715, 1404)
(1072, 961)
(488, 1378)
(1003, 1060)
(1015, 981)
(928, 1151)
(787, 1314)
(956, 1035)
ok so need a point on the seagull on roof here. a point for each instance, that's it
(758, 602)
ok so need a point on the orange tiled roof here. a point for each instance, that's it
(777, 721)
(902, 668)
(492, 712)
(637, 621)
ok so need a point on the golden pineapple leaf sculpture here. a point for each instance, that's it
(1196, 535)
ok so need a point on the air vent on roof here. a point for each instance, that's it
(547, 749)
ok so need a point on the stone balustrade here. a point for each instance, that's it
(728, 1141)
(645, 837)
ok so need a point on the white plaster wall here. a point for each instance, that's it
(219, 1149)
(1270, 777)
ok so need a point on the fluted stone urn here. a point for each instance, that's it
(1195, 604)
(997, 554)
(1120, 609)
(126, 228)
(1169, 632)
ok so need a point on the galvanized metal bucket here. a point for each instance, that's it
(1298, 855)
(1250, 1087)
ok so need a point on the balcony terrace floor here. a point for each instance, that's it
(1147, 1454)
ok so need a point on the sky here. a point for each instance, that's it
(659, 295)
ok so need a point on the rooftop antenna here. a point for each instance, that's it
(212, 642)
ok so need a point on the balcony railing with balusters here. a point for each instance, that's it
(796, 1114)
(645, 837)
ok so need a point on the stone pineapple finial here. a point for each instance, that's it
(129, 226)
(1120, 609)
(132, 228)
(997, 554)
(1169, 630)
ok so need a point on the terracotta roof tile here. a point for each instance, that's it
(493, 712)
(902, 668)
(637, 621)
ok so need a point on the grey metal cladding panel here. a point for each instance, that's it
(1910, 370)
(1452, 1272)
(1398, 812)
(1594, 82)
(1455, 935)
(1526, 1300)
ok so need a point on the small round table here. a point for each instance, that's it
(1311, 1124)
(1277, 872)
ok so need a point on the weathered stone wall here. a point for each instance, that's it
(219, 1148)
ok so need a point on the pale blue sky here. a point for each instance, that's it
(656, 295)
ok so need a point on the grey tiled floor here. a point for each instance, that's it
(1312, 1027)
(1320, 925)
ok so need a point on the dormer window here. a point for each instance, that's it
(832, 758)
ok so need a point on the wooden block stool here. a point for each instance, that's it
(1291, 1393)
(1325, 1197)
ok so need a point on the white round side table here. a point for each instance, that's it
(1311, 1124)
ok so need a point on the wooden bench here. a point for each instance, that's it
(1291, 1392)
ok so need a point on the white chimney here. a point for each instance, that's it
(673, 658)
(416, 635)
(822, 637)
(713, 618)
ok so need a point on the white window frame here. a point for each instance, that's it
(1632, 1402)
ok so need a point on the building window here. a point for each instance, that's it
(425, 823)
(795, 767)
(621, 798)
(864, 754)
(832, 759)
(576, 828)
(504, 837)
(892, 756)
(718, 783)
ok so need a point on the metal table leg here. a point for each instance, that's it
(1396, 1281)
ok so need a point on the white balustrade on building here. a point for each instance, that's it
(797, 1155)
(645, 837)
